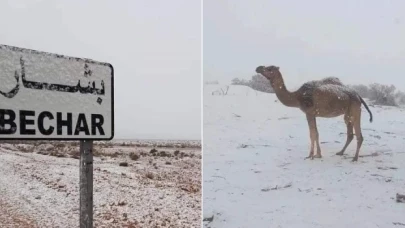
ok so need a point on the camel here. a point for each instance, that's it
(325, 98)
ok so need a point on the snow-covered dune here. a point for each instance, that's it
(255, 174)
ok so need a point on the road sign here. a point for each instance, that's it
(54, 97)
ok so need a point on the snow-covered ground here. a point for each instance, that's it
(255, 175)
(39, 184)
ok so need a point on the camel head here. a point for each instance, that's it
(269, 72)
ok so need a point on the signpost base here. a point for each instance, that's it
(86, 184)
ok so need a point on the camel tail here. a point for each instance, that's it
(365, 105)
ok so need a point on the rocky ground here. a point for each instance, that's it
(136, 184)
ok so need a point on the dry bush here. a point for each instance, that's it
(59, 145)
(134, 156)
(74, 154)
(150, 175)
(56, 154)
(383, 94)
(25, 148)
(257, 82)
(379, 94)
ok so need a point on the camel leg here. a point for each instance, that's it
(318, 147)
(312, 134)
(350, 136)
(359, 135)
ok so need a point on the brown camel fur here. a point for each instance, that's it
(321, 98)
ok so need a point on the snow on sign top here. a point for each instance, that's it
(54, 97)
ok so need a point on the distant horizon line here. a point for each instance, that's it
(170, 139)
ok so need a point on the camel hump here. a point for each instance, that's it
(331, 80)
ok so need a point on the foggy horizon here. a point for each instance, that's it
(360, 42)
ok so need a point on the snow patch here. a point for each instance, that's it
(244, 186)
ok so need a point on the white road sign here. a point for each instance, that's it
(55, 97)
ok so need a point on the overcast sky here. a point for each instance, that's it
(359, 41)
(154, 46)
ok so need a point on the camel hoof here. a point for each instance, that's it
(318, 156)
(339, 153)
(354, 159)
(309, 157)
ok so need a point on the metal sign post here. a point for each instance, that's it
(86, 184)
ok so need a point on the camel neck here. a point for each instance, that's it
(286, 97)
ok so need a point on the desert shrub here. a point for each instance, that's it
(237, 81)
(150, 175)
(260, 83)
(211, 82)
(400, 98)
(134, 156)
(362, 90)
(379, 94)
(257, 82)
(383, 94)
